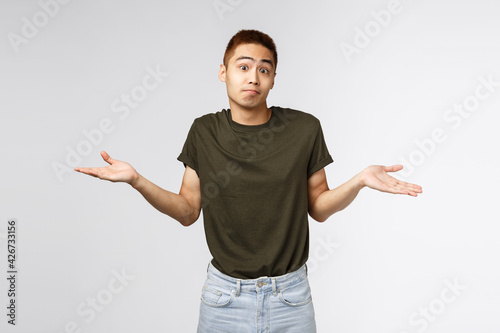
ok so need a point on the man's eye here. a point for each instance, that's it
(243, 67)
(264, 70)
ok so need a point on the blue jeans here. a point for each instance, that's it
(280, 304)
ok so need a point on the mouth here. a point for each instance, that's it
(251, 91)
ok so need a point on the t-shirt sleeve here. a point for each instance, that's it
(320, 157)
(188, 155)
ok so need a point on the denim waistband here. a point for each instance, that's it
(262, 284)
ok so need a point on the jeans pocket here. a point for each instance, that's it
(296, 295)
(216, 296)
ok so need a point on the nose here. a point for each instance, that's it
(253, 79)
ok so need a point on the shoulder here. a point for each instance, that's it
(209, 120)
(297, 117)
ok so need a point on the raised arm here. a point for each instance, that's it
(184, 207)
(324, 202)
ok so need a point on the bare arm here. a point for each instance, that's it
(324, 202)
(184, 207)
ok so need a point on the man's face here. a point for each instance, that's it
(249, 76)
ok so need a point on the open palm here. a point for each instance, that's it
(377, 177)
(116, 171)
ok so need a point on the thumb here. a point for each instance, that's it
(105, 156)
(393, 168)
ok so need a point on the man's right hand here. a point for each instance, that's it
(185, 207)
(117, 171)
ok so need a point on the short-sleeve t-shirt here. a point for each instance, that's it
(253, 183)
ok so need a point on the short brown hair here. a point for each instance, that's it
(251, 37)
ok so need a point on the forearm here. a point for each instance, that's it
(174, 205)
(335, 200)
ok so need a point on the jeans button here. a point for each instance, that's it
(259, 284)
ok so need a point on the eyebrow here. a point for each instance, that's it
(252, 59)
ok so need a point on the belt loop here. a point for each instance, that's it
(306, 269)
(273, 280)
(238, 285)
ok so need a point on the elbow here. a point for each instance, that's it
(186, 223)
(187, 220)
(188, 211)
(318, 217)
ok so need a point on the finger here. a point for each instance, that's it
(412, 187)
(416, 188)
(411, 190)
(105, 156)
(402, 191)
(393, 168)
(102, 173)
(89, 171)
(396, 188)
(405, 188)
(409, 186)
(412, 193)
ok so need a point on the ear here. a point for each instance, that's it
(222, 73)
(273, 79)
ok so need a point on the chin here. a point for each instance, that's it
(248, 104)
(251, 106)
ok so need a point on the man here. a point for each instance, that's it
(257, 172)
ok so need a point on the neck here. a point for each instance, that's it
(255, 116)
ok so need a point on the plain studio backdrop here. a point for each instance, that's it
(411, 82)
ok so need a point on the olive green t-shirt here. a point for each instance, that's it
(253, 182)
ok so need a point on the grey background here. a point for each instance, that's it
(373, 266)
